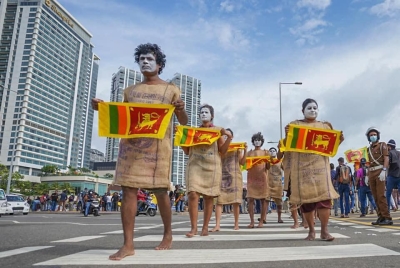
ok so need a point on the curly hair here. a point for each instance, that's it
(259, 137)
(154, 49)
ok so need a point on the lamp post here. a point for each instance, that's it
(10, 172)
(280, 102)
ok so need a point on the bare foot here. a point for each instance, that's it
(122, 253)
(191, 233)
(236, 227)
(251, 225)
(204, 232)
(166, 243)
(327, 237)
(304, 224)
(295, 225)
(260, 225)
(215, 229)
(310, 237)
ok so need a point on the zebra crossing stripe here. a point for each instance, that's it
(255, 230)
(246, 237)
(17, 251)
(78, 239)
(241, 255)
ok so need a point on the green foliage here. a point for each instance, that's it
(108, 175)
(49, 169)
(16, 179)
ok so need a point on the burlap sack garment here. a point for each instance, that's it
(144, 162)
(309, 174)
(232, 181)
(257, 177)
(275, 187)
(204, 169)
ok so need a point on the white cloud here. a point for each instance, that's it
(227, 6)
(315, 4)
(310, 23)
(386, 8)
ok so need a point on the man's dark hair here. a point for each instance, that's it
(154, 49)
(257, 136)
(230, 130)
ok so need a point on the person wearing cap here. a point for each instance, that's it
(365, 190)
(378, 155)
(393, 178)
(344, 189)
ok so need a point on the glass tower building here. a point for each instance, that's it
(191, 95)
(120, 80)
(48, 75)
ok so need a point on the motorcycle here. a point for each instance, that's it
(147, 208)
(94, 207)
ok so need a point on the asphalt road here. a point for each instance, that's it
(71, 240)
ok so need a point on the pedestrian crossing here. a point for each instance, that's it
(275, 242)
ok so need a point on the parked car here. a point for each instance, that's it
(16, 204)
(3, 203)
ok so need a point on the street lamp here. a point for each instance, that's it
(280, 101)
(10, 172)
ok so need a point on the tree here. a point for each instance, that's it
(108, 175)
(55, 185)
(16, 177)
(41, 188)
(49, 169)
(68, 187)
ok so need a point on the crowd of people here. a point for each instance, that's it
(213, 172)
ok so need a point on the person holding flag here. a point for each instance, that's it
(308, 182)
(145, 162)
(204, 172)
(257, 180)
(275, 187)
(232, 183)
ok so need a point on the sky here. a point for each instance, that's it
(345, 52)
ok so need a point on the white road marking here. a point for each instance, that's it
(247, 237)
(382, 230)
(345, 223)
(361, 227)
(17, 251)
(78, 239)
(242, 255)
(255, 230)
(243, 225)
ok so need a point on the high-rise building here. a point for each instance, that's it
(95, 156)
(120, 80)
(191, 95)
(48, 73)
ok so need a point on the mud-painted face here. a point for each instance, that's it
(205, 114)
(147, 63)
(257, 143)
(273, 152)
(311, 111)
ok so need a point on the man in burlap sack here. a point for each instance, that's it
(145, 162)
(257, 181)
(309, 177)
(275, 187)
(379, 162)
(231, 185)
(204, 171)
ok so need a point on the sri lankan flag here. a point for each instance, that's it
(190, 136)
(353, 156)
(233, 146)
(134, 120)
(254, 160)
(305, 139)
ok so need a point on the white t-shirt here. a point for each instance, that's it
(109, 198)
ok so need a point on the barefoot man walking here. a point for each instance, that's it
(145, 162)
